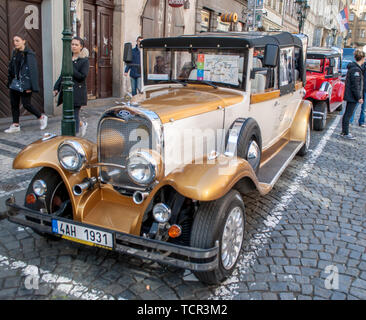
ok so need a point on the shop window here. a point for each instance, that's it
(205, 20)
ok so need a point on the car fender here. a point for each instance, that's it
(301, 120)
(338, 91)
(208, 180)
(319, 95)
(43, 153)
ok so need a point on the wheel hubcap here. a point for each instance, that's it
(253, 154)
(232, 238)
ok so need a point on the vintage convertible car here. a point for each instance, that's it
(324, 86)
(221, 115)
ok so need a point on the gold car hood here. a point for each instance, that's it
(179, 103)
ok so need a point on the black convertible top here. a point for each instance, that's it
(321, 53)
(229, 40)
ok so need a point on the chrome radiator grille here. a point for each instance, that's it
(116, 140)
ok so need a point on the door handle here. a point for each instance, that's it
(277, 103)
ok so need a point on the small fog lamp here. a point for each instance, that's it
(39, 187)
(162, 213)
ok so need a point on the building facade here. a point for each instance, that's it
(107, 24)
(357, 15)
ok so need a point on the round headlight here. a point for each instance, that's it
(142, 168)
(39, 187)
(162, 213)
(71, 155)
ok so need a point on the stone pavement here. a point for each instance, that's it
(306, 239)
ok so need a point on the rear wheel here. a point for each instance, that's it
(222, 220)
(55, 195)
(322, 108)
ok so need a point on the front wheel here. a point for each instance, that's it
(222, 220)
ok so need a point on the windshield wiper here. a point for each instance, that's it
(183, 82)
(209, 84)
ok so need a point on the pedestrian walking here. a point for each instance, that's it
(135, 68)
(361, 120)
(80, 62)
(22, 82)
(354, 91)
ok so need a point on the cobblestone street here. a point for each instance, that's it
(310, 227)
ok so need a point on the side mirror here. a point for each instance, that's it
(271, 55)
(127, 53)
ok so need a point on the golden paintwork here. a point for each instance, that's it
(180, 103)
(44, 154)
(299, 125)
(261, 97)
(207, 181)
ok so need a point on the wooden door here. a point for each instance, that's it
(25, 18)
(161, 20)
(4, 60)
(104, 45)
(90, 38)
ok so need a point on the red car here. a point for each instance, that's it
(324, 87)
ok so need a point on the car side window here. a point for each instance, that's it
(287, 70)
(265, 80)
(336, 65)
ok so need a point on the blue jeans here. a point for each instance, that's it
(135, 85)
(361, 120)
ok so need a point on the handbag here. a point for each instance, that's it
(16, 85)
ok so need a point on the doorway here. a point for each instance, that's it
(98, 34)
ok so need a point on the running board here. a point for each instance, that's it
(334, 106)
(272, 170)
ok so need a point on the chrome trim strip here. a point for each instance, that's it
(157, 129)
(232, 141)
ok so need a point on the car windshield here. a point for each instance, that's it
(314, 65)
(209, 66)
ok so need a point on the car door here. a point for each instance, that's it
(264, 99)
(288, 102)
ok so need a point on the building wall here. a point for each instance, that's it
(217, 7)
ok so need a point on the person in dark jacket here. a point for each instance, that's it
(22, 82)
(361, 120)
(354, 91)
(80, 73)
(135, 68)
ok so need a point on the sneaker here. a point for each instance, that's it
(13, 128)
(83, 127)
(348, 136)
(363, 125)
(43, 120)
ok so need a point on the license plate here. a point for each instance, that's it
(88, 236)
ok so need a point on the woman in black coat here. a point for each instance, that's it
(22, 82)
(80, 73)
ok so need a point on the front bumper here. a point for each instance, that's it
(194, 259)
